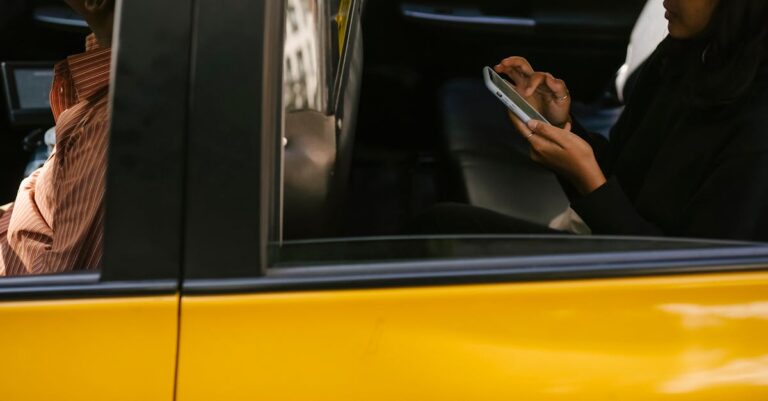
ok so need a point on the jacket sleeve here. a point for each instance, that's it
(608, 211)
(731, 203)
(600, 144)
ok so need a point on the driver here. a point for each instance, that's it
(56, 223)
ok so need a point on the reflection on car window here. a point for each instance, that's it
(302, 70)
(342, 17)
(435, 153)
(352, 251)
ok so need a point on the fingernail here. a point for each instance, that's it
(533, 124)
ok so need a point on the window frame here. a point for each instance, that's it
(354, 15)
(235, 121)
(245, 267)
(147, 154)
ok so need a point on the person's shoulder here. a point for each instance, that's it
(755, 102)
(747, 123)
(750, 137)
(759, 88)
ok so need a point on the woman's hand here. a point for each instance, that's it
(565, 153)
(544, 92)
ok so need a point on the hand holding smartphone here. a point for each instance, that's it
(510, 97)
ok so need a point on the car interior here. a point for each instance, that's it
(429, 131)
(405, 122)
(33, 36)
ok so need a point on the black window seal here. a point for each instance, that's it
(492, 270)
(79, 285)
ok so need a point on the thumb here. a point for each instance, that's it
(545, 131)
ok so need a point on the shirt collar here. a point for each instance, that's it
(90, 71)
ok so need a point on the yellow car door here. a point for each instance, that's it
(112, 334)
(683, 337)
(429, 318)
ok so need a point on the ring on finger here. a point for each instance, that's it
(563, 98)
(530, 135)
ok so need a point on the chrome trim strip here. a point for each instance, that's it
(471, 19)
(58, 15)
(69, 22)
(355, 14)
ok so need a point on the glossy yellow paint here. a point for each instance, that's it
(111, 349)
(671, 338)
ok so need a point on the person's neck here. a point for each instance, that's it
(105, 40)
(103, 31)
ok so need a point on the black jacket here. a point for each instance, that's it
(679, 169)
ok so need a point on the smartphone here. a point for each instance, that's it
(509, 96)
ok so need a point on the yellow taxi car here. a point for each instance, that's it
(257, 182)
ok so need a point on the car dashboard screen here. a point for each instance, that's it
(33, 86)
(27, 88)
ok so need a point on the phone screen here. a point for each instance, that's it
(512, 94)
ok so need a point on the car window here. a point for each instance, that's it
(435, 167)
(315, 34)
(342, 20)
(54, 174)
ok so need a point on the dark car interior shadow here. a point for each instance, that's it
(39, 30)
(429, 133)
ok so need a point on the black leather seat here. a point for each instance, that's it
(475, 122)
(491, 158)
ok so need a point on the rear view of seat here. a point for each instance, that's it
(491, 158)
(493, 168)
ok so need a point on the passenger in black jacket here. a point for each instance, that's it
(689, 156)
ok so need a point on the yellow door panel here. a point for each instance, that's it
(670, 338)
(110, 349)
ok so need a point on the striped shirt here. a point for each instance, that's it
(56, 223)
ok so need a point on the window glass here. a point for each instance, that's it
(315, 34)
(341, 20)
(303, 71)
(54, 148)
(355, 251)
(434, 152)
